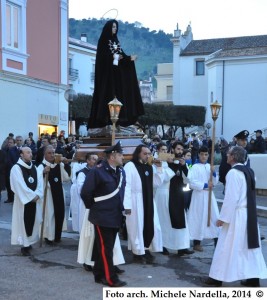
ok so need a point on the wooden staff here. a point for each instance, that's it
(211, 172)
(44, 206)
(59, 158)
(215, 109)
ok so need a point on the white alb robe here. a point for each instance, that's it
(232, 259)
(172, 238)
(86, 244)
(77, 206)
(24, 195)
(197, 215)
(49, 222)
(133, 199)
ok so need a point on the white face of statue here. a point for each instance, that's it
(114, 28)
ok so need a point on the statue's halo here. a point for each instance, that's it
(110, 14)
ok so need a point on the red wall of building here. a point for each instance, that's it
(43, 39)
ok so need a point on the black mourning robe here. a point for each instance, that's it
(146, 174)
(176, 196)
(30, 178)
(114, 81)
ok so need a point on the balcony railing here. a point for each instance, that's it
(92, 76)
(73, 74)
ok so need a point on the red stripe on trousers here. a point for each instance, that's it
(105, 263)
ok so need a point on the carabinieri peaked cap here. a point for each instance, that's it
(114, 149)
(242, 135)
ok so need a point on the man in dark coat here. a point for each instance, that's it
(13, 156)
(115, 76)
(259, 144)
(103, 193)
(241, 140)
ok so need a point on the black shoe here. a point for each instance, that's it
(262, 238)
(87, 268)
(117, 283)
(48, 242)
(9, 201)
(140, 259)
(212, 282)
(255, 282)
(165, 251)
(149, 257)
(57, 241)
(183, 252)
(118, 270)
(25, 251)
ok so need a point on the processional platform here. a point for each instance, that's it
(98, 144)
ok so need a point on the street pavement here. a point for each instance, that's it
(52, 272)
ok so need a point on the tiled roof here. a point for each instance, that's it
(241, 52)
(206, 47)
(82, 44)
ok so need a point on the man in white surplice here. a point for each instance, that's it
(75, 195)
(27, 208)
(76, 205)
(142, 220)
(197, 217)
(169, 198)
(54, 221)
(238, 254)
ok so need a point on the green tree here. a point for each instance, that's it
(81, 109)
(173, 115)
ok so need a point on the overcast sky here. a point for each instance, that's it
(209, 18)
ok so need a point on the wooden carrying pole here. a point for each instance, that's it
(211, 171)
(44, 206)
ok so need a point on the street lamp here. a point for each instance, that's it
(114, 107)
(215, 110)
(70, 95)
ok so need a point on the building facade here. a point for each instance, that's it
(82, 57)
(230, 70)
(33, 66)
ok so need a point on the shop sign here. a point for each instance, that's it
(48, 119)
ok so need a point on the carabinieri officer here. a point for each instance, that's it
(103, 193)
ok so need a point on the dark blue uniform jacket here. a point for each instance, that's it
(100, 181)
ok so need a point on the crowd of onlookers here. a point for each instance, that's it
(66, 146)
(193, 142)
(10, 153)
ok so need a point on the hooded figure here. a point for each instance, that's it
(115, 76)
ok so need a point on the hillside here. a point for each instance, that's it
(152, 47)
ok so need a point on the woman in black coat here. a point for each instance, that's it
(115, 76)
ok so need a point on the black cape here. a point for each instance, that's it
(30, 178)
(114, 81)
(54, 179)
(146, 175)
(252, 222)
(176, 196)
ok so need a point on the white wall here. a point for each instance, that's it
(193, 89)
(245, 94)
(83, 61)
(23, 99)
